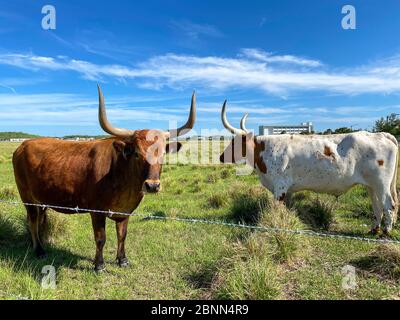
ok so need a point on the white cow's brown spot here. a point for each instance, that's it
(259, 161)
(328, 152)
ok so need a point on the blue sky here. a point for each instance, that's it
(284, 62)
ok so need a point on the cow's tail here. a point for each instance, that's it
(393, 186)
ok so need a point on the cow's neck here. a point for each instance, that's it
(126, 184)
(259, 148)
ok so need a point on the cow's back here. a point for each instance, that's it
(331, 163)
(54, 171)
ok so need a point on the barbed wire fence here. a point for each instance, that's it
(306, 232)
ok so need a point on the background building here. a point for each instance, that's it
(306, 127)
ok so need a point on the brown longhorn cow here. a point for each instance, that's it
(108, 174)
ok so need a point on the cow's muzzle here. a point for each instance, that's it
(151, 186)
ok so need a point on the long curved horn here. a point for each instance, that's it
(105, 125)
(243, 123)
(227, 124)
(189, 123)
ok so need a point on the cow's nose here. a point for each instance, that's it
(152, 186)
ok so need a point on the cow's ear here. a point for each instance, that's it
(119, 145)
(173, 147)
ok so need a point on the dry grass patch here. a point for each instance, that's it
(8, 193)
(248, 279)
(383, 261)
(257, 261)
(286, 246)
(55, 226)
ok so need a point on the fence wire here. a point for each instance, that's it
(111, 213)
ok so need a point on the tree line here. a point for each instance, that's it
(390, 124)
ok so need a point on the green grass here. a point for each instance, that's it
(174, 260)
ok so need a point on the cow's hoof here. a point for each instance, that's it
(123, 263)
(40, 254)
(375, 231)
(385, 234)
(100, 268)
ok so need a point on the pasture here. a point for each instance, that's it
(175, 260)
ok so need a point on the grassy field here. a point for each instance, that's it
(174, 260)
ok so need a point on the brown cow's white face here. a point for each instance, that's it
(145, 153)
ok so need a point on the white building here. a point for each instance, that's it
(18, 139)
(306, 127)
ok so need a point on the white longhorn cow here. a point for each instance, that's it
(331, 164)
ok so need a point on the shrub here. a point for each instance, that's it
(247, 204)
(226, 173)
(217, 200)
(212, 178)
(253, 270)
(7, 193)
(173, 212)
(54, 225)
(12, 228)
(358, 202)
(318, 212)
(250, 279)
(197, 188)
(178, 191)
(286, 246)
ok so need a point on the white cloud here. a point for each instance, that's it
(76, 110)
(194, 31)
(8, 87)
(252, 69)
(74, 113)
(286, 59)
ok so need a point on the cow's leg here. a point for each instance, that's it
(99, 229)
(388, 205)
(288, 199)
(122, 226)
(33, 214)
(280, 192)
(378, 211)
(42, 223)
(388, 212)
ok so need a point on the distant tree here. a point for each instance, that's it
(307, 133)
(391, 124)
(343, 130)
(283, 132)
(16, 135)
(328, 131)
